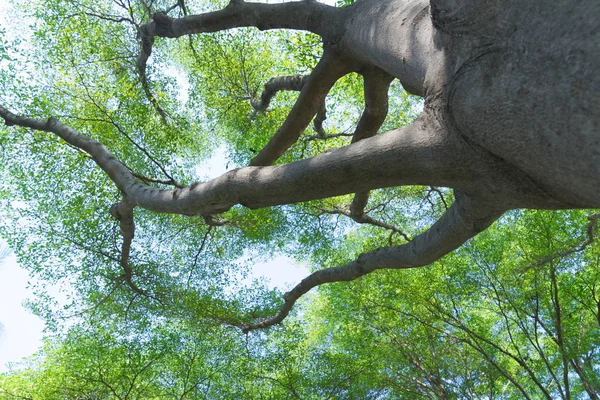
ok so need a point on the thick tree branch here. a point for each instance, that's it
(330, 68)
(418, 154)
(466, 218)
(303, 15)
(376, 88)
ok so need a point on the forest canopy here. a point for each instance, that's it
(114, 112)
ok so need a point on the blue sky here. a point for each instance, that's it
(22, 332)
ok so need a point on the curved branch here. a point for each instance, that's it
(303, 15)
(377, 85)
(274, 85)
(291, 83)
(465, 219)
(365, 219)
(330, 68)
(123, 212)
(309, 16)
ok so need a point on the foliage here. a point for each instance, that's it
(501, 318)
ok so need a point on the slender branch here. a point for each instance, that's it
(150, 96)
(123, 212)
(200, 249)
(365, 219)
(462, 221)
(433, 189)
(275, 85)
(110, 18)
(328, 136)
(147, 180)
(319, 119)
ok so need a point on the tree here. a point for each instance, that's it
(510, 117)
(488, 321)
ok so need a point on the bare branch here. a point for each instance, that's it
(305, 15)
(328, 136)
(291, 83)
(123, 213)
(147, 180)
(418, 154)
(111, 18)
(377, 85)
(200, 249)
(330, 68)
(274, 85)
(466, 218)
(301, 15)
(365, 219)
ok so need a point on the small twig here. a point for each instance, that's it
(110, 18)
(169, 182)
(202, 245)
(365, 219)
(439, 192)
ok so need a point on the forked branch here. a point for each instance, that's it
(465, 219)
(288, 83)
(420, 153)
(313, 92)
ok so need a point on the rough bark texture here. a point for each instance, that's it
(512, 110)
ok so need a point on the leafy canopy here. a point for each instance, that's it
(514, 313)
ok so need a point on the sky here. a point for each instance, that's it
(23, 332)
